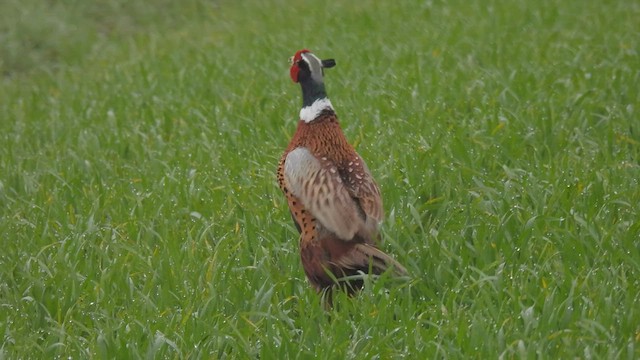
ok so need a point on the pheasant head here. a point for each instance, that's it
(308, 70)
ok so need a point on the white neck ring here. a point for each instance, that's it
(311, 112)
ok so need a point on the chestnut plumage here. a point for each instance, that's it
(333, 199)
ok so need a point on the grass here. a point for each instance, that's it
(140, 218)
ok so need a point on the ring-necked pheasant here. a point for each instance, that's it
(334, 201)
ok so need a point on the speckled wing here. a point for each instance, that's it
(363, 189)
(318, 185)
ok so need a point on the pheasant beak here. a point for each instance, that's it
(328, 63)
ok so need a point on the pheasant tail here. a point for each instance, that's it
(365, 255)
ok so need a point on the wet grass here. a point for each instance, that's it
(139, 214)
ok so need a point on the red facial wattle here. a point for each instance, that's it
(294, 72)
(295, 69)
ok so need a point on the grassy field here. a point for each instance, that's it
(140, 216)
